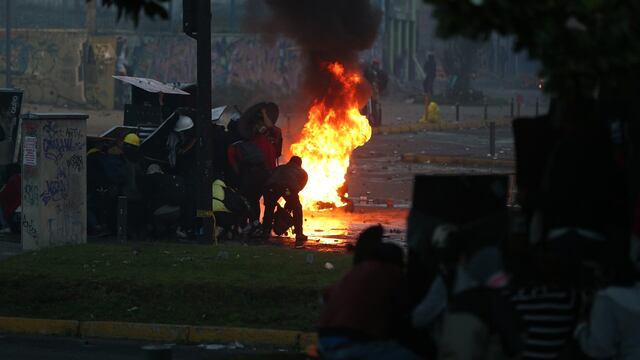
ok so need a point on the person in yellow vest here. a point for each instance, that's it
(230, 210)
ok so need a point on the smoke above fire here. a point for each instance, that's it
(330, 34)
(326, 31)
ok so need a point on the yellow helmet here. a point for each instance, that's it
(132, 139)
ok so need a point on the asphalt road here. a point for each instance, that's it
(13, 347)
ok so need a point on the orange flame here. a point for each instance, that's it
(333, 130)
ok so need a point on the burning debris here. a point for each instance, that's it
(333, 130)
(330, 33)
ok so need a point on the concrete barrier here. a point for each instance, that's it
(445, 126)
(456, 160)
(180, 334)
(39, 326)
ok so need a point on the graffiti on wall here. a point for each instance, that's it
(236, 60)
(47, 65)
(64, 67)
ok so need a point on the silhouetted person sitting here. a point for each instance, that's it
(367, 310)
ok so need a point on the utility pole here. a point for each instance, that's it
(7, 42)
(196, 23)
(90, 17)
(203, 124)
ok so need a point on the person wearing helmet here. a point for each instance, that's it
(132, 189)
(182, 161)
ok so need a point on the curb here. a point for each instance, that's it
(419, 127)
(183, 334)
(456, 160)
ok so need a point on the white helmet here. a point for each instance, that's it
(184, 123)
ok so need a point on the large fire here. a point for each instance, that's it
(333, 130)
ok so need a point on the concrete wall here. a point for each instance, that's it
(54, 206)
(67, 67)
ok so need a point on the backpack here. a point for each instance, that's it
(282, 220)
(250, 152)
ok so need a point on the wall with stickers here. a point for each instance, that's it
(54, 206)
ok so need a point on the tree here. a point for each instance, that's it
(587, 48)
(132, 9)
(589, 51)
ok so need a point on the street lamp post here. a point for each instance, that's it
(7, 42)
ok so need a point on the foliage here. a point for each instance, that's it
(132, 8)
(585, 46)
(224, 285)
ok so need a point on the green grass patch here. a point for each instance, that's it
(225, 285)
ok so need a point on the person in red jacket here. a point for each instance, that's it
(367, 311)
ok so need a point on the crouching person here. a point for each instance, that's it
(286, 182)
(366, 312)
(231, 211)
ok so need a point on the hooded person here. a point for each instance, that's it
(366, 312)
(613, 328)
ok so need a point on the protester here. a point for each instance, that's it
(10, 199)
(182, 161)
(247, 162)
(478, 310)
(613, 327)
(286, 182)
(137, 218)
(427, 85)
(99, 192)
(549, 306)
(163, 194)
(253, 158)
(230, 210)
(366, 311)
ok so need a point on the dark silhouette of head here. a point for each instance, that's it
(367, 244)
(296, 160)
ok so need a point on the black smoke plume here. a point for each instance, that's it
(326, 31)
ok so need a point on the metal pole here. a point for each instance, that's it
(7, 42)
(512, 107)
(122, 219)
(232, 15)
(486, 111)
(457, 112)
(492, 139)
(537, 107)
(204, 160)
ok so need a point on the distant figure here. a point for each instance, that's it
(366, 312)
(286, 182)
(378, 79)
(430, 74)
(427, 85)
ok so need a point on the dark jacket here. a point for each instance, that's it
(369, 302)
(289, 176)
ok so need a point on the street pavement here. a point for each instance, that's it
(18, 347)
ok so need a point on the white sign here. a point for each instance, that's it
(29, 151)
